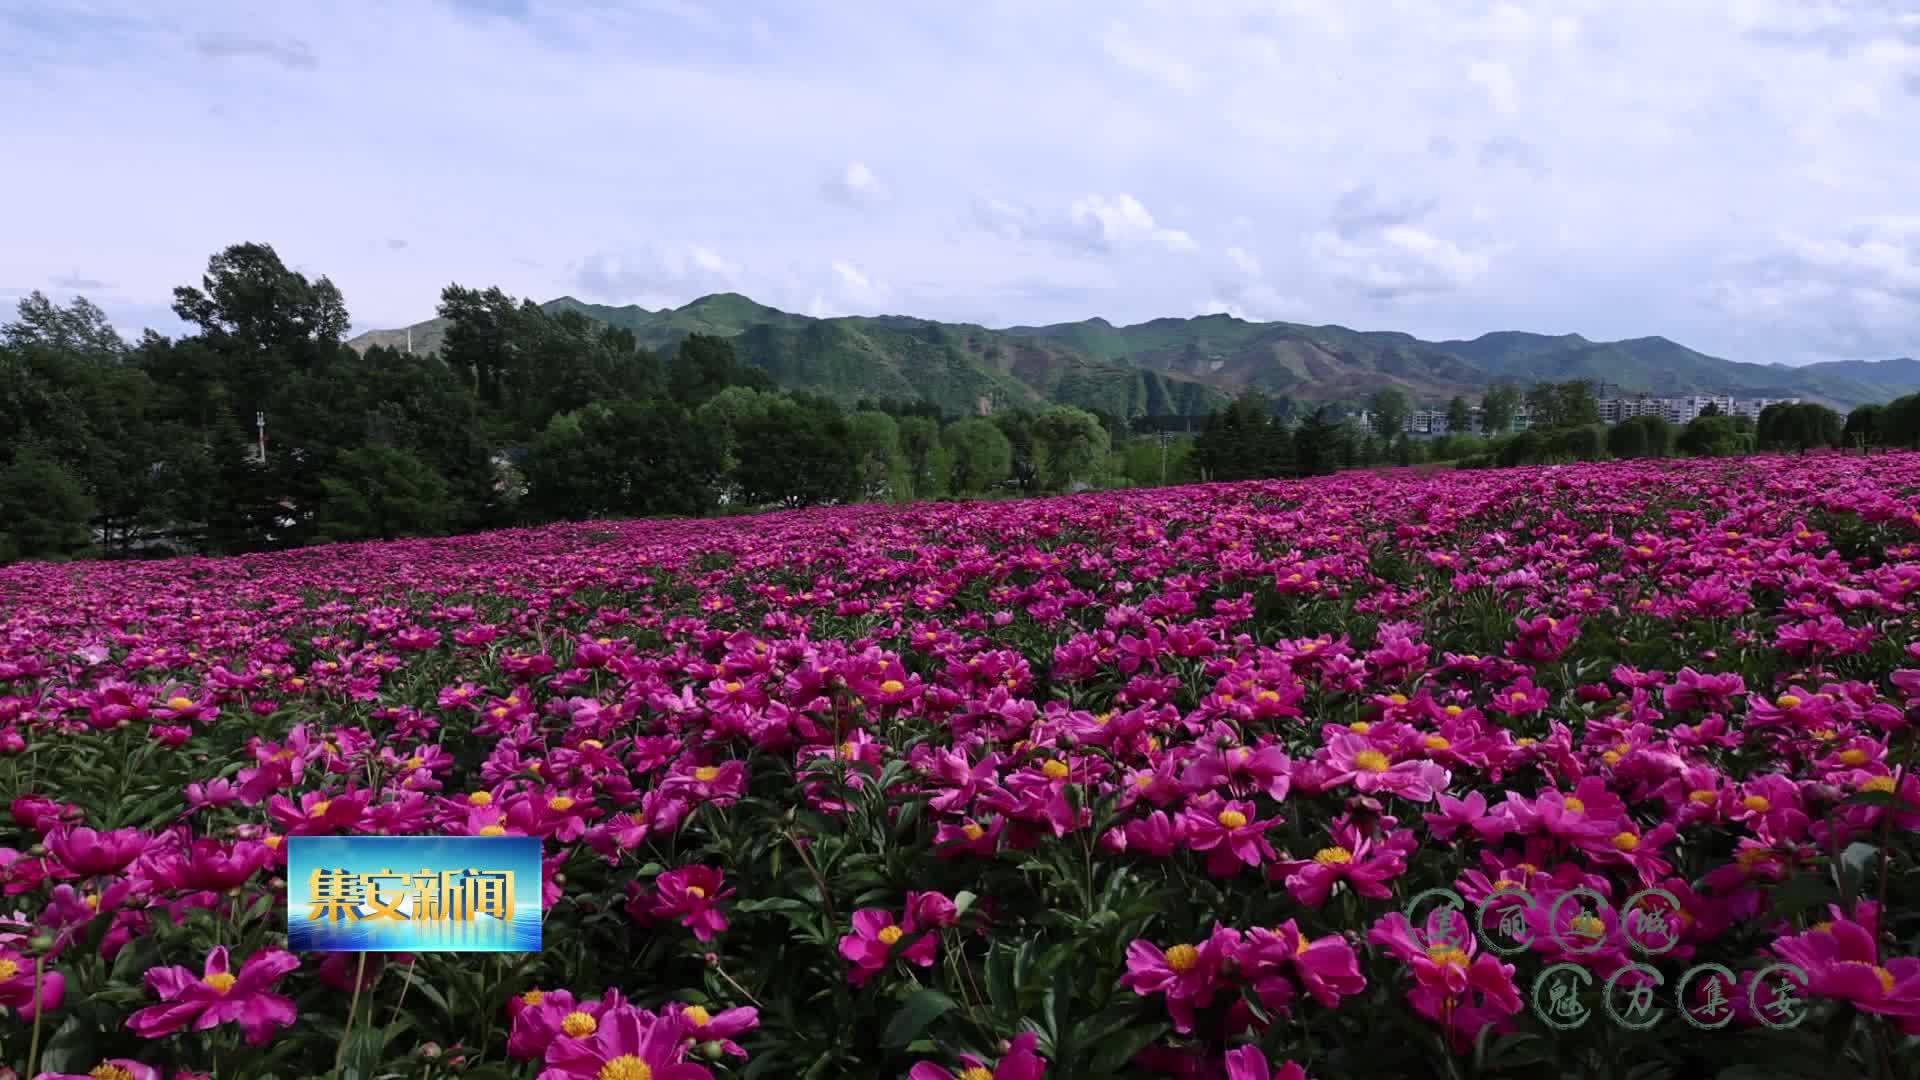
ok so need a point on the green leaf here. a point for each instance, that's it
(1121, 1047)
(919, 1010)
(69, 1050)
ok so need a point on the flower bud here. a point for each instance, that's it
(712, 1050)
(429, 1050)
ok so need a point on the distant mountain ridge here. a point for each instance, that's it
(1174, 366)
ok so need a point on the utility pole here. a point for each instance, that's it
(409, 341)
(260, 423)
(1166, 437)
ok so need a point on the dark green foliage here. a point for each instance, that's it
(1865, 426)
(1640, 436)
(1713, 436)
(796, 453)
(43, 509)
(1802, 427)
(377, 491)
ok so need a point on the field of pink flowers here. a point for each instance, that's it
(1125, 784)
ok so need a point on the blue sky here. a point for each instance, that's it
(1737, 175)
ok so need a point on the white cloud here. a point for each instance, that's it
(1247, 263)
(1496, 80)
(1145, 60)
(856, 186)
(1772, 118)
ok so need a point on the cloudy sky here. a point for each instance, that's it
(1741, 175)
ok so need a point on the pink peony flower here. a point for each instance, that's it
(218, 996)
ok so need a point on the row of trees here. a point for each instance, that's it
(261, 428)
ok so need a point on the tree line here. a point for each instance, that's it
(1253, 437)
(523, 416)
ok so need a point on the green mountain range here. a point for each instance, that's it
(1187, 366)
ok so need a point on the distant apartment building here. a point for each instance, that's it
(1614, 407)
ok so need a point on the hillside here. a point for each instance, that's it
(1188, 366)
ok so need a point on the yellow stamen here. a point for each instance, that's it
(533, 997)
(696, 892)
(892, 686)
(1333, 856)
(626, 1066)
(697, 1015)
(1757, 803)
(1437, 742)
(1573, 805)
(179, 703)
(221, 981)
(319, 809)
(973, 831)
(1703, 796)
(1359, 727)
(1370, 761)
(1787, 701)
(1232, 819)
(706, 774)
(1854, 756)
(579, 1025)
(1056, 769)
(1182, 958)
(1626, 841)
(1878, 783)
(493, 830)
(480, 798)
(1447, 956)
(890, 934)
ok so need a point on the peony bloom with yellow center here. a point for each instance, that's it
(1333, 856)
(1518, 697)
(592, 744)
(1788, 701)
(1370, 761)
(1703, 796)
(1437, 742)
(1587, 924)
(109, 1071)
(626, 1066)
(1853, 756)
(972, 830)
(1878, 783)
(579, 1024)
(1182, 958)
(1267, 696)
(1359, 727)
(1625, 841)
(697, 1015)
(177, 703)
(1232, 819)
(892, 686)
(480, 798)
(974, 1072)
(533, 997)
(319, 809)
(1447, 956)
(696, 892)
(1574, 806)
(1056, 769)
(1397, 699)
(560, 804)
(493, 830)
(8, 969)
(221, 981)
(1759, 804)
(706, 774)
(890, 934)
(416, 762)
(1301, 946)
(1611, 757)
(1525, 741)
(1453, 710)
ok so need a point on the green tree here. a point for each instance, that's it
(1713, 436)
(1497, 408)
(1575, 405)
(249, 303)
(877, 461)
(1317, 443)
(1027, 457)
(379, 492)
(1544, 405)
(1390, 409)
(982, 457)
(1804, 426)
(44, 510)
(1459, 417)
(1640, 437)
(797, 453)
(920, 446)
(1074, 443)
(1863, 427)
